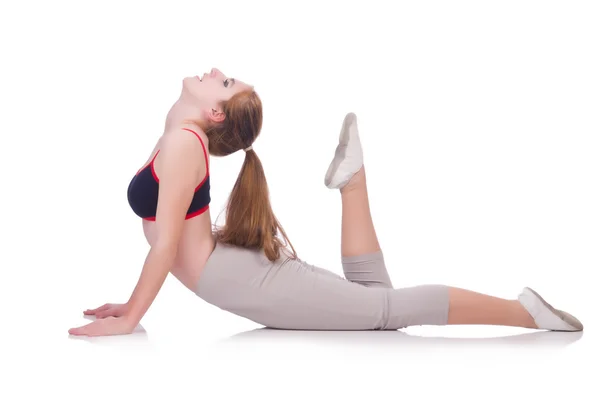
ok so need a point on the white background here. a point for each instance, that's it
(480, 128)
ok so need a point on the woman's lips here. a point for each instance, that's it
(202, 77)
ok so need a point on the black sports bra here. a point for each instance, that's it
(142, 192)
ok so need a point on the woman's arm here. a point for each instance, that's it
(177, 169)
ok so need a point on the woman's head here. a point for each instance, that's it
(209, 91)
(232, 120)
(230, 111)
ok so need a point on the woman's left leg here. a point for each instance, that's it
(289, 294)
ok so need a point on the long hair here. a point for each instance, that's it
(250, 221)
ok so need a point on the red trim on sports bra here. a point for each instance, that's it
(150, 164)
(188, 216)
(152, 167)
(203, 147)
(196, 213)
(205, 158)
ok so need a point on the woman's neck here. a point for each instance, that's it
(183, 112)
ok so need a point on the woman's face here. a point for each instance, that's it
(214, 87)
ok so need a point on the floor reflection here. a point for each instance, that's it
(351, 338)
(526, 339)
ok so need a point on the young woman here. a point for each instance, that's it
(249, 267)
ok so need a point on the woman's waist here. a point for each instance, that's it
(191, 260)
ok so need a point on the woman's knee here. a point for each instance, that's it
(367, 269)
(418, 305)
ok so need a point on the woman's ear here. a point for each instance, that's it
(216, 115)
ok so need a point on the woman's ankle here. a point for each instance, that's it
(523, 317)
(358, 181)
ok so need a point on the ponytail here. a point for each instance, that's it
(250, 221)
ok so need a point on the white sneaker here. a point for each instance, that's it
(546, 316)
(348, 158)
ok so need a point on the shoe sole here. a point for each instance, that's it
(566, 317)
(340, 150)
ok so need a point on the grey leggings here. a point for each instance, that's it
(291, 294)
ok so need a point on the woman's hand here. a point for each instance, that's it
(111, 319)
(105, 327)
(108, 310)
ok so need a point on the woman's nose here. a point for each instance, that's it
(214, 72)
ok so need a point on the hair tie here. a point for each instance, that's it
(248, 148)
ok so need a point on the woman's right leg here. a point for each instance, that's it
(363, 262)
(290, 294)
(362, 258)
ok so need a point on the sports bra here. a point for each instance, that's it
(142, 192)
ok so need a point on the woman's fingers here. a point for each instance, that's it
(96, 310)
(107, 313)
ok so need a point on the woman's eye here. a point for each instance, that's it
(225, 83)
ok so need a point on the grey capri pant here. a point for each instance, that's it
(291, 294)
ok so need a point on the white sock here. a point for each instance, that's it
(546, 316)
(348, 158)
